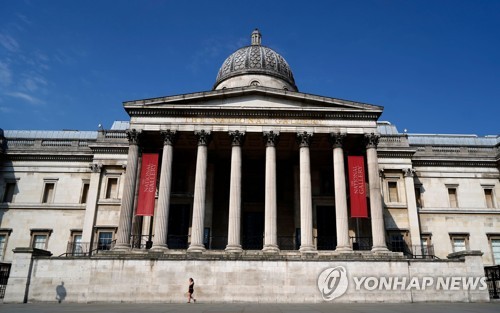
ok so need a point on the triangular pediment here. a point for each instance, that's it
(253, 98)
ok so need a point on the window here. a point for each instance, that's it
(112, 188)
(426, 248)
(393, 191)
(8, 195)
(495, 249)
(40, 238)
(4, 234)
(76, 243)
(104, 240)
(488, 194)
(85, 191)
(398, 240)
(418, 196)
(452, 195)
(459, 242)
(48, 190)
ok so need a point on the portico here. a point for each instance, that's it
(270, 176)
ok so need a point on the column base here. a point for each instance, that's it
(343, 249)
(308, 249)
(121, 247)
(196, 248)
(380, 249)
(159, 248)
(271, 249)
(234, 249)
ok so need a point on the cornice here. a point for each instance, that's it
(405, 154)
(252, 113)
(109, 149)
(50, 157)
(455, 163)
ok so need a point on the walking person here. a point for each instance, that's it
(191, 291)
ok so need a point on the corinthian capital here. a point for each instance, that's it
(304, 139)
(371, 140)
(96, 167)
(169, 137)
(408, 172)
(133, 136)
(237, 137)
(337, 139)
(203, 137)
(271, 138)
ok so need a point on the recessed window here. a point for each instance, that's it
(104, 239)
(460, 242)
(495, 249)
(418, 197)
(452, 196)
(393, 191)
(398, 240)
(40, 238)
(112, 188)
(85, 192)
(4, 235)
(488, 195)
(10, 189)
(426, 248)
(49, 187)
(77, 248)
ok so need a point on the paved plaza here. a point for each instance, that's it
(493, 307)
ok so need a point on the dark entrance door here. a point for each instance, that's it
(327, 231)
(253, 230)
(178, 226)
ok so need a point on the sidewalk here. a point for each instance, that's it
(493, 307)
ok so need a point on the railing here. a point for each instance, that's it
(177, 241)
(361, 243)
(253, 242)
(141, 241)
(287, 243)
(413, 252)
(492, 274)
(86, 249)
(216, 243)
(326, 242)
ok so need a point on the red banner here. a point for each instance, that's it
(357, 186)
(147, 188)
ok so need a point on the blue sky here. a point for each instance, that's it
(433, 65)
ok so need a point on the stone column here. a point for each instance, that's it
(91, 206)
(234, 227)
(127, 206)
(377, 216)
(270, 222)
(339, 178)
(306, 216)
(162, 210)
(411, 202)
(199, 193)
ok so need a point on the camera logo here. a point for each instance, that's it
(333, 282)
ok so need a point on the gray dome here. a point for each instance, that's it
(255, 59)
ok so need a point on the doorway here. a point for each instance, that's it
(326, 226)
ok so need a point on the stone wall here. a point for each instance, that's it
(142, 280)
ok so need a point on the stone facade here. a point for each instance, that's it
(252, 177)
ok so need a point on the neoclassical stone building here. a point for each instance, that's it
(251, 177)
